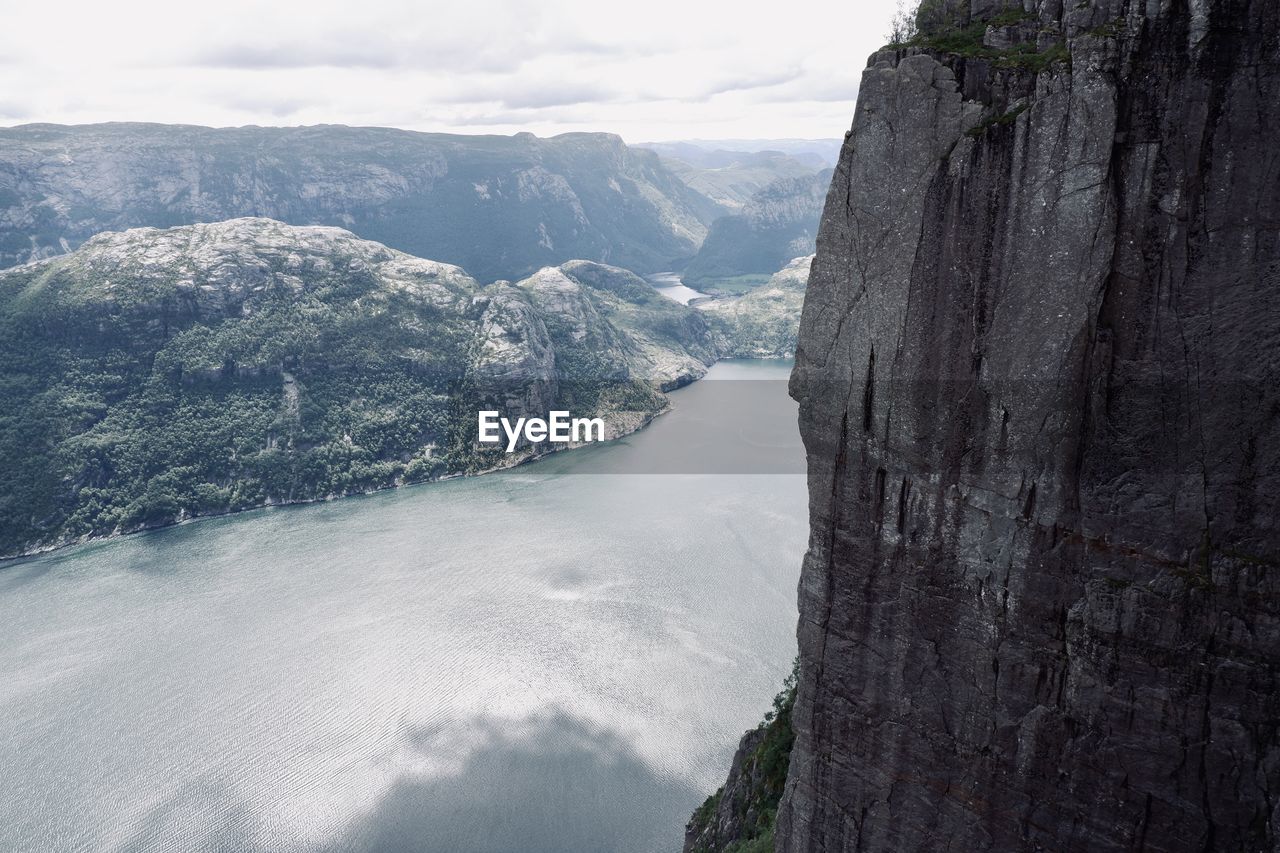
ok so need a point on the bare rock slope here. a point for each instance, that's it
(764, 321)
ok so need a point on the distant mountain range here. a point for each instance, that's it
(814, 153)
(501, 206)
(779, 223)
(732, 178)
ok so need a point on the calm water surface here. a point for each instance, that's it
(546, 659)
(670, 285)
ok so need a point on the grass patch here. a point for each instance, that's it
(1003, 120)
(733, 284)
(1111, 29)
(968, 42)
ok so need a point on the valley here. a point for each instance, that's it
(236, 328)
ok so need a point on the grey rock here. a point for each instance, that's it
(1039, 389)
(727, 813)
(513, 362)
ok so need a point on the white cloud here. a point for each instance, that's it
(660, 70)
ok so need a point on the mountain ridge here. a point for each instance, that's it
(156, 375)
(502, 206)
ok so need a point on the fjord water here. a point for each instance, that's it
(560, 657)
(672, 286)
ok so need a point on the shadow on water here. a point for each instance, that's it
(554, 783)
(224, 825)
(23, 571)
(551, 783)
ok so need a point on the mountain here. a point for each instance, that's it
(151, 376)
(814, 153)
(779, 223)
(1039, 388)
(764, 322)
(500, 206)
(731, 178)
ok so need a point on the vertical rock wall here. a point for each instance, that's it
(1039, 377)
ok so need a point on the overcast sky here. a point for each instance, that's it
(659, 69)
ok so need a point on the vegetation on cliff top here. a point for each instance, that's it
(920, 30)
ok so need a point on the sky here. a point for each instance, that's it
(657, 70)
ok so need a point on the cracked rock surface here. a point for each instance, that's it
(1039, 386)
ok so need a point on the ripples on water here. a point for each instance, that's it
(538, 660)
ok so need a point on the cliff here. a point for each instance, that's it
(1038, 383)
(499, 206)
(152, 375)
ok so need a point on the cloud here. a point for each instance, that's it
(757, 80)
(350, 52)
(391, 48)
(677, 69)
(520, 93)
(515, 118)
(295, 55)
(554, 95)
(14, 110)
(279, 107)
(819, 88)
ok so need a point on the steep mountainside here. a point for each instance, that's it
(1039, 379)
(763, 322)
(733, 178)
(500, 206)
(155, 375)
(778, 224)
(815, 153)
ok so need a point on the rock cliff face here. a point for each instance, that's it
(156, 375)
(499, 206)
(1039, 379)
